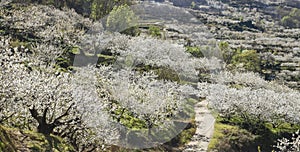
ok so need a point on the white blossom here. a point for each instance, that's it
(291, 145)
(265, 105)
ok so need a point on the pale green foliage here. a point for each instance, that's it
(246, 60)
(155, 31)
(193, 5)
(121, 18)
(226, 51)
(292, 19)
(101, 8)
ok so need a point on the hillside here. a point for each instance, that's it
(250, 25)
(192, 75)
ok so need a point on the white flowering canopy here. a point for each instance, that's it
(123, 88)
(104, 96)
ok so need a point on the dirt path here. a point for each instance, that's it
(204, 131)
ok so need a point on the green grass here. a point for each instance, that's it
(6, 144)
(75, 50)
(230, 138)
(11, 139)
(18, 43)
(238, 134)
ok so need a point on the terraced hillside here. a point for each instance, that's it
(246, 25)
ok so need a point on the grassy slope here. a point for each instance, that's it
(12, 139)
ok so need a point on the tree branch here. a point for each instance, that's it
(56, 121)
(45, 114)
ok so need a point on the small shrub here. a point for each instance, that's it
(292, 19)
(230, 138)
(155, 31)
(246, 60)
(195, 51)
(227, 53)
(193, 5)
(120, 19)
(167, 74)
(132, 31)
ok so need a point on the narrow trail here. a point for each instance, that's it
(204, 131)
